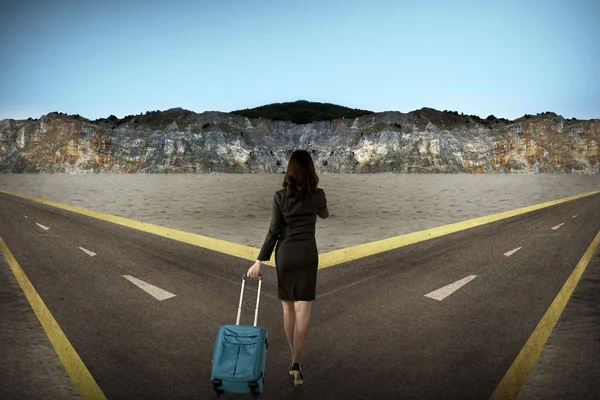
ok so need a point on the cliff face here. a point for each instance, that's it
(182, 141)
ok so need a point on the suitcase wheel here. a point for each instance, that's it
(253, 386)
(216, 383)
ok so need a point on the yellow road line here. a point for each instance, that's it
(221, 246)
(328, 259)
(363, 250)
(518, 372)
(81, 377)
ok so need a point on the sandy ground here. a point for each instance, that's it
(363, 208)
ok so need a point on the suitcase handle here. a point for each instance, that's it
(239, 313)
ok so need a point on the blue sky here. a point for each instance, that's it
(97, 58)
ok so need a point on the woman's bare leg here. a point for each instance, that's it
(302, 314)
(289, 322)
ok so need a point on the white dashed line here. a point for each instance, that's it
(574, 216)
(447, 290)
(91, 253)
(510, 253)
(25, 216)
(42, 226)
(152, 290)
(557, 226)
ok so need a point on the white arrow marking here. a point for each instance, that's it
(154, 291)
(557, 226)
(91, 253)
(447, 290)
(42, 226)
(510, 253)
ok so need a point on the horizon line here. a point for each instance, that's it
(295, 101)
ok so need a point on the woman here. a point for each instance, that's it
(295, 210)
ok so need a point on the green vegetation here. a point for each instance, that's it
(150, 117)
(489, 119)
(302, 112)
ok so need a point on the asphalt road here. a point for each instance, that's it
(374, 335)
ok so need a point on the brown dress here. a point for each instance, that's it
(296, 256)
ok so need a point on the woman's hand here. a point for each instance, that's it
(254, 270)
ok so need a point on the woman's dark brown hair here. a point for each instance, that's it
(300, 180)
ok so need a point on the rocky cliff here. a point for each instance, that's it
(178, 140)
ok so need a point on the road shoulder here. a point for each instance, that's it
(29, 366)
(568, 366)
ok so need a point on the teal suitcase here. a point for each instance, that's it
(240, 355)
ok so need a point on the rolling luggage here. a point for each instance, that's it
(240, 355)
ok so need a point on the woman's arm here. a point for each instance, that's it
(323, 211)
(274, 230)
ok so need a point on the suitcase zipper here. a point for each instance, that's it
(237, 360)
